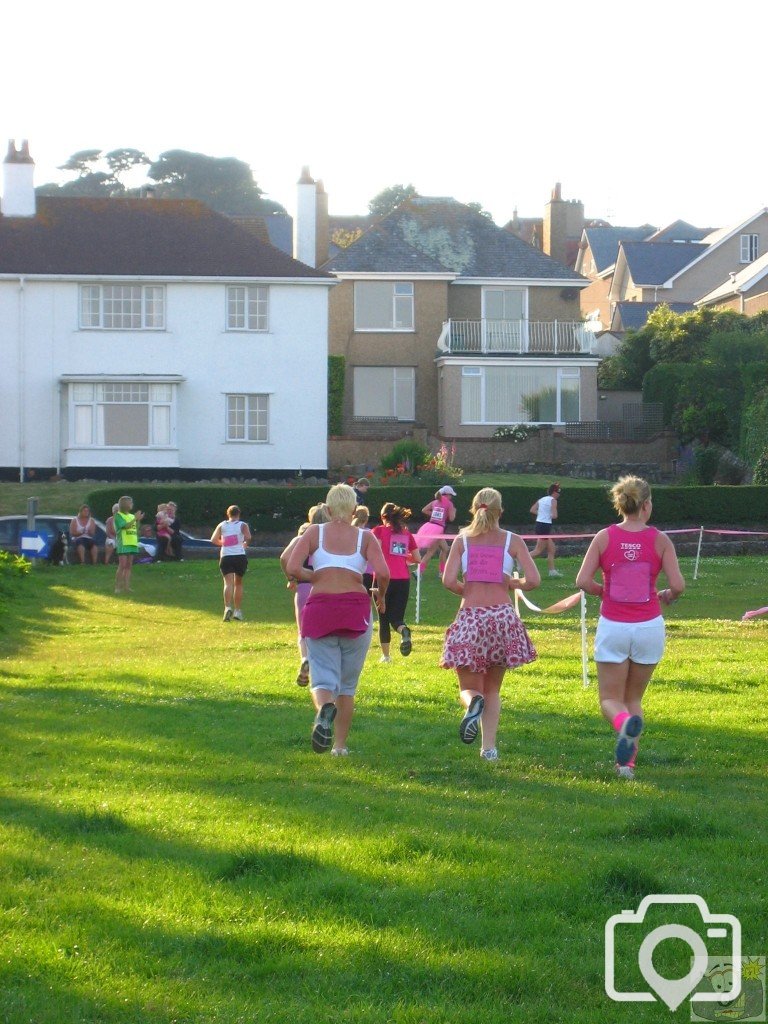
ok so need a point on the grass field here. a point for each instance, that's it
(172, 852)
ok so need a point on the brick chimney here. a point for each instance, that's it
(563, 222)
(18, 182)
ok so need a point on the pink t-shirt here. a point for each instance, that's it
(395, 547)
(630, 566)
(440, 509)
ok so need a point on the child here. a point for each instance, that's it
(111, 539)
(127, 533)
(163, 533)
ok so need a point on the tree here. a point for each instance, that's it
(344, 238)
(224, 183)
(390, 198)
(83, 161)
(121, 160)
(478, 208)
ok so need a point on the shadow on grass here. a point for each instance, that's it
(35, 612)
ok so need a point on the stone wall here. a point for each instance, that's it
(546, 452)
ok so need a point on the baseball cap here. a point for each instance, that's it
(447, 490)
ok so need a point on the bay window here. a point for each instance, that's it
(121, 414)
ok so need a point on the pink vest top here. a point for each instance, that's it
(439, 514)
(630, 566)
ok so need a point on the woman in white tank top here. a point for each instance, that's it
(337, 619)
(545, 510)
(232, 536)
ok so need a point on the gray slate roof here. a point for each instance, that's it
(653, 263)
(680, 231)
(426, 235)
(604, 242)
(635, 314)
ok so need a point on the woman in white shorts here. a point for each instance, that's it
(629, 641)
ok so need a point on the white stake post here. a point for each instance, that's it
(516, 595)
(698, 553)
(584, 653)
(418, 594)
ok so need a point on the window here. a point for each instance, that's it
(384, 392)
(383, 306)
(247, 308)
(519, 394)
(247, 417)
(121, 414)
(750, 248)
(122, 307)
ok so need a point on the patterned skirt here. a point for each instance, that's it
(481, 638)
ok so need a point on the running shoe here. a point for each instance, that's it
(228, 612)
(554, 574)
(626, 743)
(470, 722)
(302, 679)
(624, 771)
(322, 729)
(405, 642)
(490, 755)
(339, 752)
(385, 659)
(237, 614)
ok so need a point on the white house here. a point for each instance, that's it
(152, 337)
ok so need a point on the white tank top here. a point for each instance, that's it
(544, 515)
(233, 541)
(322, 559)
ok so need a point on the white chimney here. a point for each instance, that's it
(305, 222)
(18, 182)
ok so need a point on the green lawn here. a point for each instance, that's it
(172, 851)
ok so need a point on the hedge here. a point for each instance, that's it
(281, 509)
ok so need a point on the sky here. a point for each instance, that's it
(646, 112)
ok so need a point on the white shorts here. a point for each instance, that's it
(110, 542)
(641, 642)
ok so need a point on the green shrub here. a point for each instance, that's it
(335, 395)
(408, 453)
(12, 570)
(761, 468)
(705, 462)
(755, 428)
(282, 509)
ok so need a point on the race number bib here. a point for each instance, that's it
(398, 544)
(485, 564)
(630, 583)
(438, 514)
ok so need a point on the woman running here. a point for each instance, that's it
(399, 549)
(629, 641)
(317, 514)
(545, 510)
(487, 637)
(440, 511)
(232, 536)
(127, 534)
(337, 622)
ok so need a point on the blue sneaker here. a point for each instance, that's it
(626, 744)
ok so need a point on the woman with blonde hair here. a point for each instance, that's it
(487, 637)
(629, 641)
(317, 514)
(337, 621)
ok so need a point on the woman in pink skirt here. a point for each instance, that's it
(441, 511)
(487, 637)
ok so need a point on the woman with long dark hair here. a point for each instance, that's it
(399, 548)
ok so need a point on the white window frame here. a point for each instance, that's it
(96, 420)
(750, 247)
(146, 295)
(395, 296)
(400, 375)
(247, 398)
(252, 293)
(563, 373)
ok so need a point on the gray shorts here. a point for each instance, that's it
(335, 662)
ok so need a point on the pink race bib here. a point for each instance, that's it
(630, 583)
(230, 540)
(398, 544)
(485, 564)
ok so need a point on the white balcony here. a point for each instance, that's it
(516, 337)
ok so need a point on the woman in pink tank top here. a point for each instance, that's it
(487, 637)
(629, 641)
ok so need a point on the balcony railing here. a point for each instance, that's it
(515, 337)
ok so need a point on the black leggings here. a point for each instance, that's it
(395, 603)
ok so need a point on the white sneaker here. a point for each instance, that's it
(554, 574)
(385, 659)
(237, 614)
(227, 614)
(624, 771)
(339, 752)
(490, 755)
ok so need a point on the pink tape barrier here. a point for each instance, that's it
(588, 536)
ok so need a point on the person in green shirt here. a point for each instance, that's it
(127, 533)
